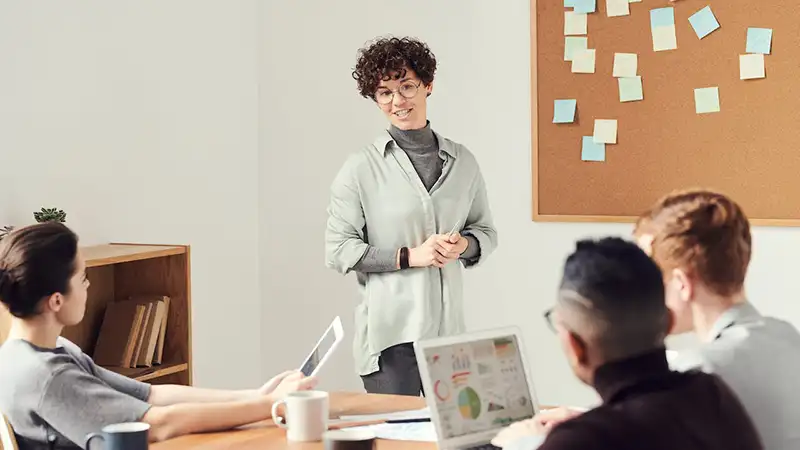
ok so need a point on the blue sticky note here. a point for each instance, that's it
(759, 40)
(570, 3)
(630, 89)
(592, 151)
(585, 6)
(704, 22)
(564, 111)
(706, 100)
(662, 17)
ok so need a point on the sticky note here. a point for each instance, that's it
(605, 131)
(570, 3)
(592, 151)
(585, 6)
(617, 8)
(573, 44)
(662, 17)
(662, 28)
(704, 22)
(759, 40)
(635, 1)
(583, 61)
(751, 66)
(574, 23)
(625, 64)
(564, 111)
(630, 89)
(706, 100)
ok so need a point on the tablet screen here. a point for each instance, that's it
(319, 352)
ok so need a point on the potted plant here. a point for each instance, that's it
(50, 215)
(5, 230)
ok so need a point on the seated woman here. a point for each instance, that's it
(50, 389)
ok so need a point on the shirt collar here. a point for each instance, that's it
(742, 312)
(617, 379)
(384, 139)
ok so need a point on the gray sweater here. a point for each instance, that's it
(423, 151)
(61, 392)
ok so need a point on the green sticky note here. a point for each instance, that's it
(564, 111)
(630, 89)
(706, 100)
(574, 44)
(592, 151)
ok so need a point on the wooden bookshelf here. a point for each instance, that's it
(118, 271)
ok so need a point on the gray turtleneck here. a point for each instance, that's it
(423, 150)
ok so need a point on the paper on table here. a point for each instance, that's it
(590, 151)
(575, 23)
(423, 413)
(706, 100)
(415, 431)
(617, 8)
(625, 64)
(583, 61)
(564, 110)
(759, 40)
(605, 131)
(630, 89)
(573, 44)
(704, 22)
(751, 67)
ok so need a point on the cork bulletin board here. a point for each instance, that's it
(750, 149)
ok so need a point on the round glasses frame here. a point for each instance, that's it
(406, 90)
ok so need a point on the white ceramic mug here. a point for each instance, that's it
(305, 415)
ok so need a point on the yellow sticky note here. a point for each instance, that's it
(617, 8)
(605, 131)
(583, 61)
(752, 67)
(625, 64)
(575, 24)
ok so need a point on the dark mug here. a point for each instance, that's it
(122, 436)
(349, 440)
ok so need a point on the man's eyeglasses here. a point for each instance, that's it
(408, 90)
(548, 317)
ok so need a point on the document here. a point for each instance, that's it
(415, 431)
(423, 413)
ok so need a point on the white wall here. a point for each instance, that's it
(312, 118)
(140, 120)
(221, 124)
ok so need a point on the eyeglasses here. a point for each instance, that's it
(548, 317)
(407, 90)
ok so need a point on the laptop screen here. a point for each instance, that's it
(478, 385)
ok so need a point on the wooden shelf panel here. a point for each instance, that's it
(107, 254)
(149, 373)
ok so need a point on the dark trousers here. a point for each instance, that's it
(398, 373)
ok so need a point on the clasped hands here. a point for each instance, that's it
(438, 250)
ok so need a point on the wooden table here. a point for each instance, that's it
(267, 436)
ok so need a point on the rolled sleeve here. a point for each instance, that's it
(480, 224)
(72, 390)
(344, 232)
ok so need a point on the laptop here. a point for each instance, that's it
(475, 385)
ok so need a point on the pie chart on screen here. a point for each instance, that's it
(441, 390)
(469, 404)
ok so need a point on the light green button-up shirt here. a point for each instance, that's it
(378, 199)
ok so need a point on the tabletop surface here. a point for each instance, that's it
(268, 436)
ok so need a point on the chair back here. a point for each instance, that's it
(7, 439)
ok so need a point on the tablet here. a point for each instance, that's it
(324, 348)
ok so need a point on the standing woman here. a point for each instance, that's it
(406, 213)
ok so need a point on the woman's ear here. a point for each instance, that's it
(55, 302)
(684, 284)
(578, 349)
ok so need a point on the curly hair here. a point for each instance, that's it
(388, 58)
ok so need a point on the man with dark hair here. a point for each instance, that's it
(702, 242)
(406, 213)
(611, 320)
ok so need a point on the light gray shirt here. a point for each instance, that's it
(61, 392)
(378, 199)
(759, 358)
